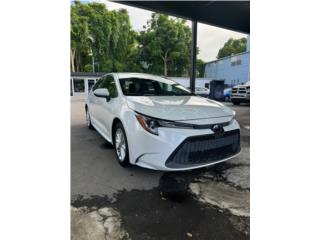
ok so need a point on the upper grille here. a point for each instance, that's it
(242, 90)
(205, 149)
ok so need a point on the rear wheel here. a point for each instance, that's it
(121, 145)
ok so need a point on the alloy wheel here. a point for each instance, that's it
(120, 144)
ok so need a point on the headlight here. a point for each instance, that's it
(149, 124)
(233, 115)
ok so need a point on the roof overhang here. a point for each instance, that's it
(232, 15)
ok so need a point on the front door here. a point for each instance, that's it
(105, 109)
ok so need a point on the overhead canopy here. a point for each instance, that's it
(233, 15)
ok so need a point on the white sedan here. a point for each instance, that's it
(156, 123)
(202, 91)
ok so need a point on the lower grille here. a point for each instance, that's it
(204, 149)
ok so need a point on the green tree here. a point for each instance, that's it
(164, 45)
(79, 35)
(200, 65)
(232, 46)
(107, 35)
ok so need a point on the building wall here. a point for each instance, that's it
(233, 70)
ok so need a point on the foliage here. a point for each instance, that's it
(88, 68)
(232, 46)
(105, 34)
(164, 45)
(200, 66)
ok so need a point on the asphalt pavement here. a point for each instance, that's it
(97, 180)
(94, 169)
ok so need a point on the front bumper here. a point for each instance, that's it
(243, 98)
(200, 150)
(168, 151)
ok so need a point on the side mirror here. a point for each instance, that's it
(103, 93)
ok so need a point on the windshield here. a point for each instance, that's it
(150, 87)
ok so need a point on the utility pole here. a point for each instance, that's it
(92, 62)
(91, 52)
(193, 56)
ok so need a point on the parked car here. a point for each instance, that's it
(241, 94)
(157, 123)
(227, 94)
(202, 91)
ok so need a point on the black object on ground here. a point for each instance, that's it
(173, 187)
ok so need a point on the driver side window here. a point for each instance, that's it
(109, 83)
(98, 83)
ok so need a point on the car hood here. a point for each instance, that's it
(178, 108)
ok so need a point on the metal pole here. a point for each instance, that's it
(193, 56)
(92, 62)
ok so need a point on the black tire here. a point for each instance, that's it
(125, 162)
(236, 103)
(88, 119)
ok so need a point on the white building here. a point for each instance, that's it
(82, 82)
(233, 70)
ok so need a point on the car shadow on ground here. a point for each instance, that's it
(106, 145)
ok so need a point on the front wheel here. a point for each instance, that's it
(121, 145)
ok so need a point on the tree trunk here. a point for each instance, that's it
(76, 61)
(77, 58)
(79, 63)
(165, 63)
(72, 59)
(165, 68)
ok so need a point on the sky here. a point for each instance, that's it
(210, 39)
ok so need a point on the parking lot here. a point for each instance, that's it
(215, 205)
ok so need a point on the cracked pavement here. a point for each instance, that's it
(211, 203)
(96, 224)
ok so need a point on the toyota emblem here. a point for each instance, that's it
(217, 129)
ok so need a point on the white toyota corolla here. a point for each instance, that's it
(156, 123)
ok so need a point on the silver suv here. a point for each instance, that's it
(241, 94)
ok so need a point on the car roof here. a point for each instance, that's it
(138, 75)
